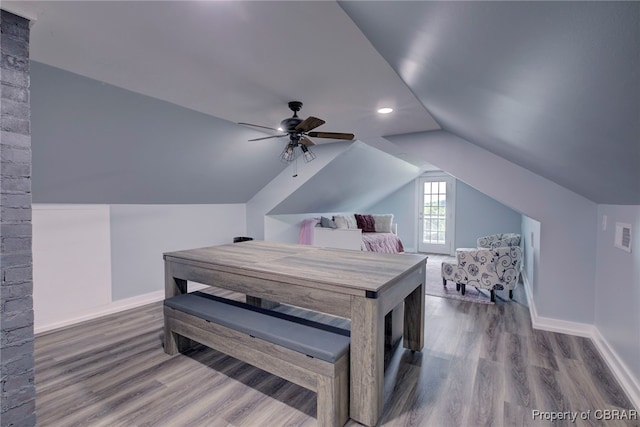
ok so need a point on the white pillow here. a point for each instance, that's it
(346, 221)
(383, 223)
(351, 221)
(340, 220)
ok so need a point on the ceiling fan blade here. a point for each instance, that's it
(309, 123)
(332, 135)
(306, 141)
(268, 137)
(258, 126)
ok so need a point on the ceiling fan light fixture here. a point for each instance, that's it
(307, 155)
(288, 154)
(385, 110)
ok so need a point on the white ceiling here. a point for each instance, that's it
(551, 86)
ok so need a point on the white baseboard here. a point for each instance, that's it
(627, 381)
(104, 310)
(111, 308)
(621, 372)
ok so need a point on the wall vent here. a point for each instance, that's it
(623, 236)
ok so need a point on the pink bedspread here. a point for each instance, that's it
(387, 243)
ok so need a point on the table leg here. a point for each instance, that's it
(172, 285)
(367, 360)
(414, 319)
(173, 343)
(393, 325)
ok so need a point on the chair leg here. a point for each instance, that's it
(458, 287)
(510, 293)
(493, 295)
(462, 288)
(444, 282)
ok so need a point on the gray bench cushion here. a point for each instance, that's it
(314, 339)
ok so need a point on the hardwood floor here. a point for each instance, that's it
(482, 365)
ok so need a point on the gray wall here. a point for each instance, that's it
(357, 177)
(281, 187)
(97, 143)
(566, 273)
(402, 204)
(140, 234)
(618, 288)
(476, 215)
(479, 215)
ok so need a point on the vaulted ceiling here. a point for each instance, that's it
(551, 86)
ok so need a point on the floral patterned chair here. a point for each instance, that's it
(450, 271)
(491, 269)
(499, 240)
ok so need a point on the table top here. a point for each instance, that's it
(303, 264)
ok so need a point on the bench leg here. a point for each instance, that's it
(170, 340)
(333, 399)
(174, 343)
(261, 302)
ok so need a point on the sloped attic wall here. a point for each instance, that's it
(97, 143)
(279, 188)
(550, 86)
(566, 278)
(359, 177)
(342, 180)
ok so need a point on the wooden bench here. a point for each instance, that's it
(307, 353)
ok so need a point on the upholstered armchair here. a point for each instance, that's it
(491, 269)
(499, 240)
(450, 271)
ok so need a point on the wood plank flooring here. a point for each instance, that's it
(482, 365)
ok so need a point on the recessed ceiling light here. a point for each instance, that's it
(385, 110)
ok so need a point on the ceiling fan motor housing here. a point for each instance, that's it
(299, 130)
(289, 125)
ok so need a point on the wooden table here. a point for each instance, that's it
(361, 286)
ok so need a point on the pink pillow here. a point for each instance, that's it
(366, 223)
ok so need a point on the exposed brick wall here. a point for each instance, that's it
(16, 278)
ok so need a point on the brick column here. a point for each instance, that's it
(16, 280)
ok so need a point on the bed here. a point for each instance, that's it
(387, 243)
(374, 233)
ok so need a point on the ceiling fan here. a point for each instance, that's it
(299, 133)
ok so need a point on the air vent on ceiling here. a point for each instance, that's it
(623, 236)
